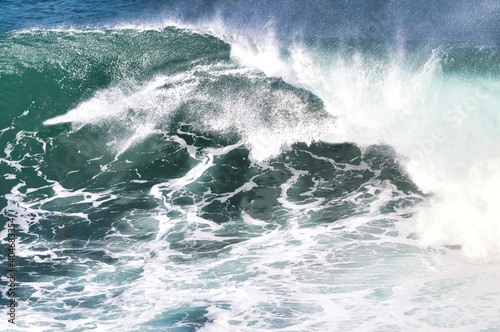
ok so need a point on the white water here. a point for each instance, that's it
(445, 128)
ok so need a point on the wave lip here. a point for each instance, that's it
(209, 92)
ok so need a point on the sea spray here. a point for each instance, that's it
(441, 118)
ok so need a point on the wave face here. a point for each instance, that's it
(206, 167)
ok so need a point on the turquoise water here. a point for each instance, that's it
(175, 167)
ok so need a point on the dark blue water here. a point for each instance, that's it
(443, 21)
